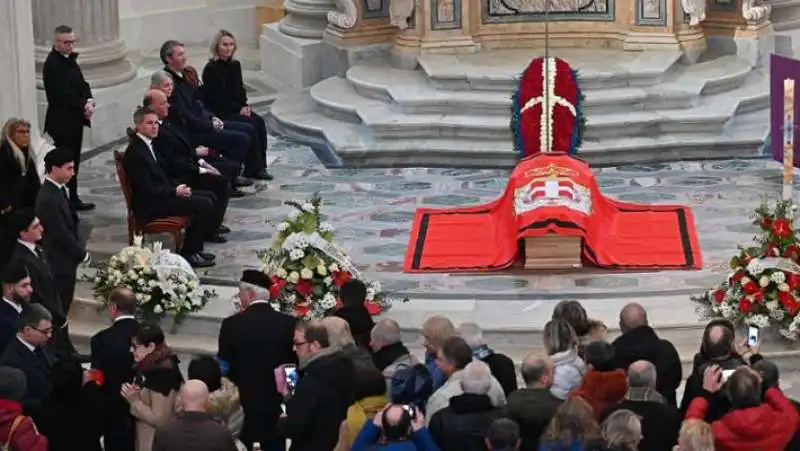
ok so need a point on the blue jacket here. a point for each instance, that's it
(420, 440)
(436, 374)
(186, 107)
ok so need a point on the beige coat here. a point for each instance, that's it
(151, 411)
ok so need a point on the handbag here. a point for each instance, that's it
(17, 421)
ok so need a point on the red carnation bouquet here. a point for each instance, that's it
(764, 287)
(546, 109)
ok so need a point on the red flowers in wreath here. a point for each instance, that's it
(548, 92)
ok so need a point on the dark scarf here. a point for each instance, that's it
(161, 357)
(482, 352)
(388, 354)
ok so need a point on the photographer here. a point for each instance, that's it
(395, 428)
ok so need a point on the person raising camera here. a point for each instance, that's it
(395, 428)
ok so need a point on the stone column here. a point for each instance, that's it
(96, 23)
(306, 18)
(17, 72)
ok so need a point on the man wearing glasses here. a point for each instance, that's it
(69, 103)
(28, 353)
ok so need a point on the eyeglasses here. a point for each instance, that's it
(47, 331)
(300, 343)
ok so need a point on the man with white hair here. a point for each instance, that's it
(501, 365)
(388, 350)
(252, 343)
(462, 425)
(661, 422)
(193, 428)
(162, 80)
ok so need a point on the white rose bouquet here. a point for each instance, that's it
(160, 289)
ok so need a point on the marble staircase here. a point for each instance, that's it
(640, 107)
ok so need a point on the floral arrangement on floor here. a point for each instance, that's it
(164, 283)
(307, 269)
(546, 109)
(764, 287)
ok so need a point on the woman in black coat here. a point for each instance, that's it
(19, 181)
(224, 93)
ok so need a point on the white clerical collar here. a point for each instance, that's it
(27, 345)
(121, 317)
(13, 304)
(58, 185)
(258, 301)
(31, 247)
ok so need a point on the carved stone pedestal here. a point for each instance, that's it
(740, 27)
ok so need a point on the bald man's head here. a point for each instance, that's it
(194, 396)
(642, 374)
(719, 342)
(396, 422)
(631, 316)
(157, 100)
(537, 370)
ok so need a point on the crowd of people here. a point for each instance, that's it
(195, 143)
(346, 382)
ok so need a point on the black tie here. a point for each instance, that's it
(64, 192)
(39, 353)
(38, 251)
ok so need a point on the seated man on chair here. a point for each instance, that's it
(236, 140)
(154, 196)
(184, 165)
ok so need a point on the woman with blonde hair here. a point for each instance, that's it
(435, 331)
(225, 94)
(19, 179)
(622, 431)
(573, 428)
(695, 435)
(561, 345)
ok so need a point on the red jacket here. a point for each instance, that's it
(769, 426)
(602, 389)
(26, 437)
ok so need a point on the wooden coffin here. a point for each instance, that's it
(552, 252)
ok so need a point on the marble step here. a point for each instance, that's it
(339, 143)
(338, 99)
(785, 14)
(499, 70)
(413, 93)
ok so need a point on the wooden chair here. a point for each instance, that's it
(172, 225)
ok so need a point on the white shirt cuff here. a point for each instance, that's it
(202, 162)
(203, 170)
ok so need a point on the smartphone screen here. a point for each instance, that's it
(291, 376)
(752, 335)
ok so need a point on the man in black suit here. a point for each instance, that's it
(27, 253)
(28, 352)
(63, 249)
(184, 163)
(69, 103)
(111, 354)
(17, 290)
(155, 196)
(252, 343)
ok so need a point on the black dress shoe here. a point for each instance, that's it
(223, 229)
(216, 238)
(80, 205)
(208, 256)
(237, 193)
(197, 261)
(241, 181)
(260, 176)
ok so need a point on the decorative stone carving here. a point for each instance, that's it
(400, 12)
(695, 9)
(345, 16)
(306, 19)
(754, 12)
(96, 24)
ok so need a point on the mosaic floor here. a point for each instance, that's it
(372, 210)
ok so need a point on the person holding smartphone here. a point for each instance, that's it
(396, 428)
